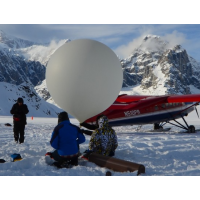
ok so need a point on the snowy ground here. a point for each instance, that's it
(171, 153)
(165, 154)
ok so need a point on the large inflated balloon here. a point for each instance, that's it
(84, 77)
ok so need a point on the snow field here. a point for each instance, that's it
(166, 154)
(171, 153)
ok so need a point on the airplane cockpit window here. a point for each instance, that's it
(163, 105)
(156, 107)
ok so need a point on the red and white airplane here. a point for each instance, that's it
(157, 110)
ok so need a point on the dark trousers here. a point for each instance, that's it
(19, 132)
(60, 159)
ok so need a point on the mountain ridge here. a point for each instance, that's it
(19, 76)
(155, 67)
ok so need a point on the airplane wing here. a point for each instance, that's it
(141, 101)
(130, 98)
(123, 102)
(184, 98)
(170, 99)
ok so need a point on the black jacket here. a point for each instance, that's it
(88, 126)
(19, 112)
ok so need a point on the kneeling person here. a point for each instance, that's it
(103, 139)
(66, 138)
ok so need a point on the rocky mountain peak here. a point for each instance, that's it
(152, 43)
(154, 68)
(150, 37)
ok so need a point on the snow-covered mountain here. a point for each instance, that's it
(156, 68)
(43, 92)
(22, 67)
(14, 67)
(37, 106)
(13, 42)
(22, 60)
(42, 53)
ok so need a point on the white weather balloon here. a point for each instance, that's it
(84, 77)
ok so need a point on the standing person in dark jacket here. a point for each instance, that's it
(19, 111)
(66, 138)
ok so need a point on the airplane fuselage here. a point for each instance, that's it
(155, 114)
(148, 110)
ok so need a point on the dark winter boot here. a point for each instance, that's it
(57, 164)
(16, 137)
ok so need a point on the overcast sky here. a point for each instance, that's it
(119, 26)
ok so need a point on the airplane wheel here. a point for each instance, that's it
(191, 129)
(157, 126)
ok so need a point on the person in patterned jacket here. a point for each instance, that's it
(104, 139)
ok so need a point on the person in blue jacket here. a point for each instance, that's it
(66, 138)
